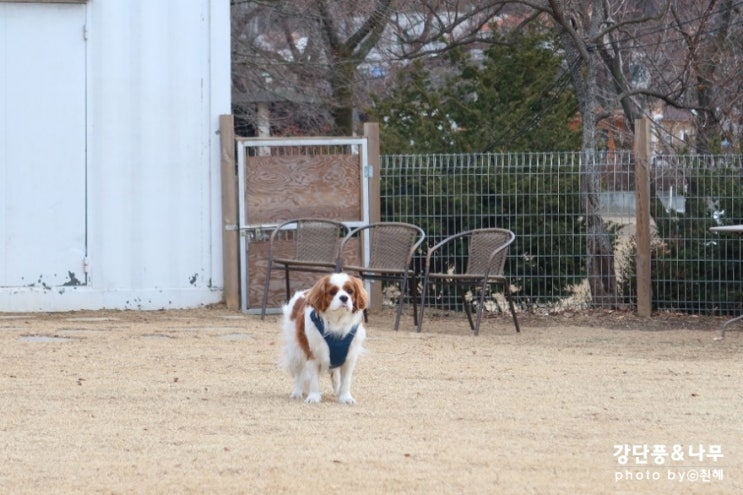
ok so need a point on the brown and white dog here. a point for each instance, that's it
(323, 331)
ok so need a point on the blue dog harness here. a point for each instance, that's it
(338, 346)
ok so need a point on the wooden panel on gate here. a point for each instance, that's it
(278, 188)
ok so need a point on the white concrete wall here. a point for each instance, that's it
(158, 77)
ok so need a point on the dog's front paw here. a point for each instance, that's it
(296, 394)
(346, 399)
(313, 398)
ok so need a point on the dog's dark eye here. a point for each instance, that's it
(350, 292)
(333, 291)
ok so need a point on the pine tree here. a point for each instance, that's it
(517, 98)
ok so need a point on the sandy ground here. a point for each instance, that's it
(193, 402)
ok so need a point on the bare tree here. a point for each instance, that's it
(581, 33)
(306, 52)
(634, 55)
(711, 35)
(590, 33)
(316, 54)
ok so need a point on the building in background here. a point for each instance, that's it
(109, 153)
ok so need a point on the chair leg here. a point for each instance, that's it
(423, 301)
(480, 306)
(467, 309)
(265, 289)
(414, 298)
(361, 276)
(400, 304)
(509, 296)
(286, 283)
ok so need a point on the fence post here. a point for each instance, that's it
(230, 264)
(642, 215)
(371, 133)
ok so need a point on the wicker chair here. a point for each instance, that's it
(486, 250)
(315, 249)
(392, 246)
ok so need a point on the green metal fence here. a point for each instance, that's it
(538, 196)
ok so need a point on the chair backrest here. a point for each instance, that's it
(316, 240)
(391, 244)
(488, 249)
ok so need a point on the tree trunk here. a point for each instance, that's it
(599, 251)
(341, 82)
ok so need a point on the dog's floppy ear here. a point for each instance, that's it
(316, 295)
(360, 296)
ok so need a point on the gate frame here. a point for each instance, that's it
(236, 230)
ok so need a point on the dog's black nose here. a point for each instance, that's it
(343, 298)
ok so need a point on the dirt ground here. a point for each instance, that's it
(193, 402)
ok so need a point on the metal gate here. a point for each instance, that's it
(281, 179)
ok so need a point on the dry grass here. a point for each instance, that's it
(192, 402)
